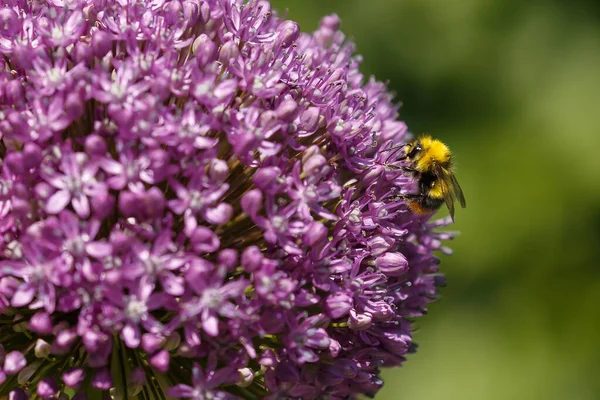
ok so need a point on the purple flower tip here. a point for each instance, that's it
(74, 377)
(47, 388)
(102, 379)
(41, 323)
(14, 362)
(160, 361)
(17, 394)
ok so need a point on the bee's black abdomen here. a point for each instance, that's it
(426, 181)
(423, 204)
(430, 203)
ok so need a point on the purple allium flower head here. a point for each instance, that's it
(193, 201)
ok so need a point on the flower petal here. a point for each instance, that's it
(173, 285)
(58, 201)
(23, 296)
(81, 206)
(181, 390)
(98, 249)
(131, 335)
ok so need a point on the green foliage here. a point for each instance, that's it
(514, 88)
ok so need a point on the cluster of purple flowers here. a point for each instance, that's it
(193, 202)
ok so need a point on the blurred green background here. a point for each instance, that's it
(513, 87)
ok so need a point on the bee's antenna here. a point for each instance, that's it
(395, 147)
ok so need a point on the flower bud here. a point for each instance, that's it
(101, 43)
(191, 13)
(204, 240)
(151, 342)
(251, 258)
(268, 358)
(266, 178)
(252, 202)
(173, 10)
(286, 111)
(103, 205)
(379, 244)
(380, 310)
(14, 163)
(14, 362)
(313, 164)
(42, 348)
(316, 233)
(218, 170)
(359, 322)
(332, 22)
(205, 50)
(334, 348)
(392, 264)
(246, 377)
(102, 379)
(10, 24)
(337, 305)
(221, 214)
(32, 155)
(155, 202)
(128, 203)
(309, 120)
(47, 388)
(229, 50)
(204, 11)
(17, 394)
(66, 338)
(14, 92)
(96, 145)
(228, 258)
(287, 33)
(74, 106)
(81, 52)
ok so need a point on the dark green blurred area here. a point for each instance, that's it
(514, 88)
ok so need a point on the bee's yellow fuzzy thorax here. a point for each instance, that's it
(434, 151)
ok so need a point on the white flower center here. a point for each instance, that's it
(74, 184)
(279, 223)
(135, 309)
(196, 200)
(211, 298)
(153, 264)
(55, 75)
(75, 246)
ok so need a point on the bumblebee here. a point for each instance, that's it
(431, 163)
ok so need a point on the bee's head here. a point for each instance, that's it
(413, 150)
(425, 152)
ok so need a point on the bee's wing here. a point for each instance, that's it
(448, 198)
(458, 191)
(449, 191)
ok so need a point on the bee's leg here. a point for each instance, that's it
(410, 170)
(426, 202)
(412, 196)
(394, 147)
(408, 196)
(403, 168)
